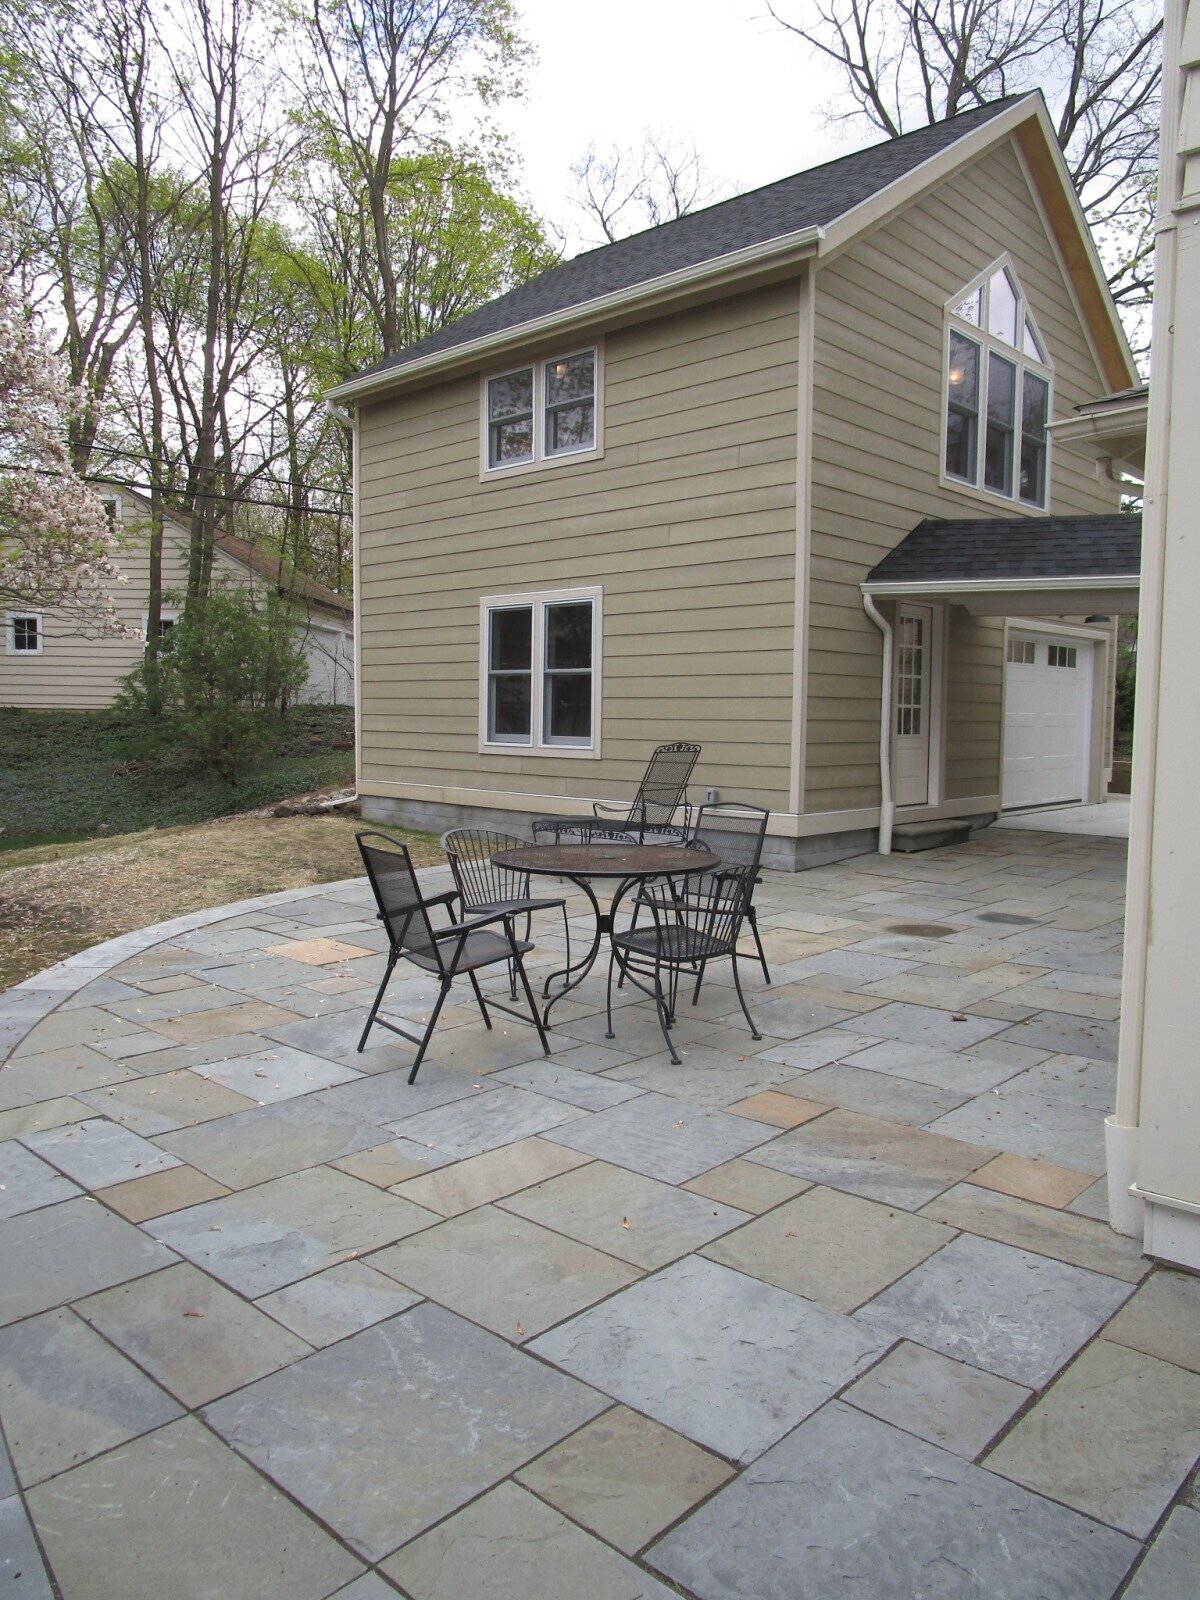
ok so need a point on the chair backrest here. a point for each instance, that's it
(714, 905)
(478, 880)
(733, 831)
(398, 895)
(664, 784)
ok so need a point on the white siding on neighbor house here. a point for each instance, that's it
(877, 442)
(687, 523)
(77, 672)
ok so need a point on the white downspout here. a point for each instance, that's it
(887, 807)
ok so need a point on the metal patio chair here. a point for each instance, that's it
(483, 887)
(735, 832)
(685, 933)
(463, 947)
(661, 793)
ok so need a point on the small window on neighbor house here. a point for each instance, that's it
(24, 633)
(1062, 655)
(1022, 651)
(541, 667)
(997, 392)
(542, 413)
(167, 619)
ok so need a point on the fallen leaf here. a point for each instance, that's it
(216, 1228)
(625, 1223)
(958, 1019)
(520, 1330)
(260, 1072)
(677, 1124)
(193, 1313)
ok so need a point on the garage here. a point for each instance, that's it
(1047, 719)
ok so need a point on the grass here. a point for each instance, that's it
(57, 899)
(68, 775)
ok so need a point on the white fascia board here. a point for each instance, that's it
(966, 586)
(797, 246)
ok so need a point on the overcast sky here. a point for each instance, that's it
(720, 73)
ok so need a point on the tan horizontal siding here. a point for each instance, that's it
(877, 439)
(687, 522)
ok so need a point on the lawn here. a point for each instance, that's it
(56, 900)
(70, 774)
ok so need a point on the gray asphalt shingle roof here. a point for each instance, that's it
(809, 199)
(996, 548)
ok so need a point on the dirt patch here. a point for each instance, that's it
(57, 900)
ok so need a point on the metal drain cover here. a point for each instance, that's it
(921, 930)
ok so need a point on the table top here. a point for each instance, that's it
(608, 860)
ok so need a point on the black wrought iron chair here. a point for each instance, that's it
(650, 818)
(483, 887)
(684, 934)
(463, 947)
(661, 794)
(735, 832)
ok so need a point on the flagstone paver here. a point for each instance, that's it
(98, 1152)
(625, 1477)
(1169, 1571)
(946, 1402)
(194, 1336)
(390, 1430)
(1019, 1315)
(1115, 1437)
(848, 1499)
(728, 1361)
(66, 1395)
(684, 1247)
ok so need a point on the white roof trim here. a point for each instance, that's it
(801, 243)
(953, 586)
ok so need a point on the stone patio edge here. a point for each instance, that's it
(27, 1003)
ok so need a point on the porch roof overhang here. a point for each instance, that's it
(1111, 431)
(1022, 566)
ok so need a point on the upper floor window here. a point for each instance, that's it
(24, 633)
(997, 391)
(541, 413)
(540, 670)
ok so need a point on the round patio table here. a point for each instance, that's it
(629, 864)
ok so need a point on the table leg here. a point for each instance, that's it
(578, 971)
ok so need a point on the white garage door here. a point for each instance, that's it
(1047, 718)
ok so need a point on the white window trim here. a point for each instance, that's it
(114, 500)
(165, 614)
(10, 632)
(541, 462)
(1014, 354)
(539, 599)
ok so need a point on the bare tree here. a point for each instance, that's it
(376, 78)
(623, 191)
(910, 62)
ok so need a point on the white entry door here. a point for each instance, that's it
(910, 728)
(1047, 719)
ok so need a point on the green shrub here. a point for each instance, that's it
(227, 672)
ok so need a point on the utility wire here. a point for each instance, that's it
(195, 494)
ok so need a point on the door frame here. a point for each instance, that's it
(936, 706)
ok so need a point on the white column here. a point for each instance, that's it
(1154, 1136)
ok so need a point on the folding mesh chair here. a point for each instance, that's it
(463, 947)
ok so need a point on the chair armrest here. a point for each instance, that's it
(610, 808)
(460, 930)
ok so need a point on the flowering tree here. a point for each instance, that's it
(56, 545)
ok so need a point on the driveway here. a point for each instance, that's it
(833, 1312)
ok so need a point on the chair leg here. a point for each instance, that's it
(660, 1005)
(533, 1010)
(612, 956)
(487, 1021)
(752, 919)
(391, 967)
(428, 1034)
(737, 983)
(699, 981)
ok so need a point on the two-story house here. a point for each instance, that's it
(780, 477)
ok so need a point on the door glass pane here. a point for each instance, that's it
(910, 673)
(1002, 307)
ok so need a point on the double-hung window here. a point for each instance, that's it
(23, 633)
(540, 671)
(542, 413)
(997, 391)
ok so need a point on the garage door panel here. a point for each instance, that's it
(1046, 720)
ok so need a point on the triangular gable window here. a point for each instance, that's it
(998, 383)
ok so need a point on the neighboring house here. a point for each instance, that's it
(46, 663)
(780, 477)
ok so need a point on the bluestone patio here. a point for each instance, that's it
(834, 1312)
